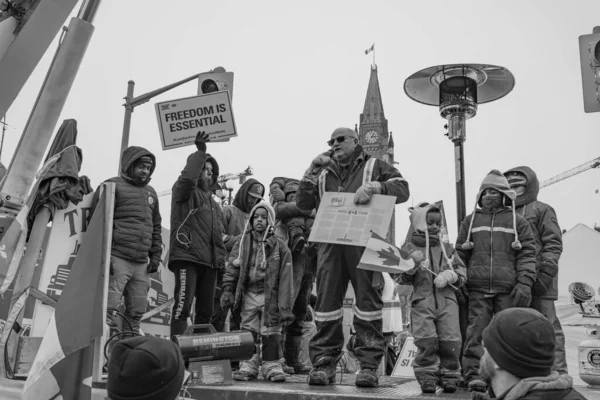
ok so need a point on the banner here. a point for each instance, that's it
(63, 246)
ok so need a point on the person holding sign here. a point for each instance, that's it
(347, 168)
(434, 309)
(197, 250)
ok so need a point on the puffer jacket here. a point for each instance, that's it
(278, 284)
(331, 180)
(137, 231)
(236, 214)
(493, 266)
(551, 387)
(196, 221)
(280, 188)
(547, 233)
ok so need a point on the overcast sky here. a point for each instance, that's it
(301, 71)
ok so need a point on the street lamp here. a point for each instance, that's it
(457, 89)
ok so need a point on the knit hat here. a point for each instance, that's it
(144, 159)
(494, 180)
(248, 227)
(521, 341)
(145, 368)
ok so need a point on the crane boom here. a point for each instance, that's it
(595, 163)
(221, 179)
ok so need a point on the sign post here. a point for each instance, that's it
(180, 120)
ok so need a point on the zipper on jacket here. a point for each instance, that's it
(491, 249)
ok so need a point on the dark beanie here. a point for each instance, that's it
(145, 368)
(521, 341)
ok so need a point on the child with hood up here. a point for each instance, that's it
(434, 308)
(258, 279)
(498, 247)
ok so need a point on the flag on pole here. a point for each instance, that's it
(62, 368)
(379, 255)
(370, 49)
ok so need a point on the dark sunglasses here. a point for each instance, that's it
(339, 139)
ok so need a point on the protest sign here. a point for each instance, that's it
(180, 120)
(404, 364)
(340, 221)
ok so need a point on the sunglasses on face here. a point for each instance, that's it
(339, 139)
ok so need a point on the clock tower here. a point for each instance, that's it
(373, 132)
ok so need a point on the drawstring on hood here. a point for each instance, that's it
(495, 180)
(418, 219)
(248, 228)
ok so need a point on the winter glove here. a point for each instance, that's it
(227, 299)
(542, 284)
(201, 139)
(364, 193)
(153, 266)
(286, 317)
(418, 257)
(521, 295)
(312, 172)
(444, 278)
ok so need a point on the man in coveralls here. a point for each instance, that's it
(347, 168)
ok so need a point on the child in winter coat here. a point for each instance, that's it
(258, 279)
(498, 248)
(434, 309)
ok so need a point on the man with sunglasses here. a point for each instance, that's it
(347, 168)
(197, 251)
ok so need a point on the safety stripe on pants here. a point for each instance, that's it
(329, 316)
(367, 315)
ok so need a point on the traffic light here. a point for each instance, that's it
(215, 81)
(589, 52)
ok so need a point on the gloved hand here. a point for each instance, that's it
(521, 295)
(311, 174)
(201, 139)
(542, 284)
(153, 266)
(286, 317)
(445, 278)
(363, 194)
(227, 299)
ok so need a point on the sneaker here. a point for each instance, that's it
(477, 385)
(322, 375)
(449, 387)
(428, 387)
(367, 377)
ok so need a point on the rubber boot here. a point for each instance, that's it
(271, 366)
(293, 346)
(284, 365)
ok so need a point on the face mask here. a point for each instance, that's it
(491, 202)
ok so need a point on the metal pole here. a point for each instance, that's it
(126, 120)
(459, 157)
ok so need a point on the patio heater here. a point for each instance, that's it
(457, 89)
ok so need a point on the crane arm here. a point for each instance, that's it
(595, 163)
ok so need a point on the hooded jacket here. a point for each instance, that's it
(137, 231)
(502, 250)
(285, 210)
(236, 215)
(196, 221)
(272, 258)
(331, 179)
(551, 387)
(546, 231)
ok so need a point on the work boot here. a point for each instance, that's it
(449, 386)
(324, 370)
(428, 387)
(271, 365)
(477, 385)
(292, 348)
(286, 368)
(248, 369)
(367, 377)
